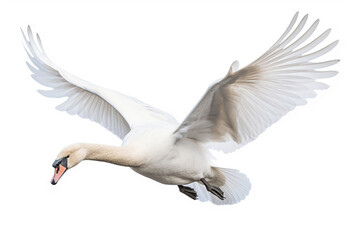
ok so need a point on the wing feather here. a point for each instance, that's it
(235, 110)
(115, 111)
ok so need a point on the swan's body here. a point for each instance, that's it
(167, 162)
(233, 112)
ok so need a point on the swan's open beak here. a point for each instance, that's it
(60, 166)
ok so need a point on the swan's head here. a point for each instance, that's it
(69, 157)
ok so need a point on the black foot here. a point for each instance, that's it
(188, 191)
(214, 190)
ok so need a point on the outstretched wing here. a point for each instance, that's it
(115, 111)
(235, 110)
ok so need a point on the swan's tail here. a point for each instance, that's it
(236, 188)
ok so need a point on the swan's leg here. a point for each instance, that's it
(213, 189)
(188, 191)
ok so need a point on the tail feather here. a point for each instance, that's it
(236, 188)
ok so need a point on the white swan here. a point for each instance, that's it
(233, 112)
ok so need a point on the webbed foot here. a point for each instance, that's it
(188, 191)
(213, 189)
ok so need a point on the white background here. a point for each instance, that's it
(304, 170)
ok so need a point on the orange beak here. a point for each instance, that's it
(60, 166)
(59, 171)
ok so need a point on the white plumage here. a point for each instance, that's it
(233, 112)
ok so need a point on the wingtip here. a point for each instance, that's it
(39, 42)
(317, 21)
(335, 73)
(296, 15)
(42, 92)
(325, 86)
(304, 19)
(28, 64)
(23, 34)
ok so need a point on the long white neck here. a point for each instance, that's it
(124, 156)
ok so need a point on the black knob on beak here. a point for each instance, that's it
(60, 161)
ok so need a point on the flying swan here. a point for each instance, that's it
(233, 112)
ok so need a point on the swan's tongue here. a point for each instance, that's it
(59, 171)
